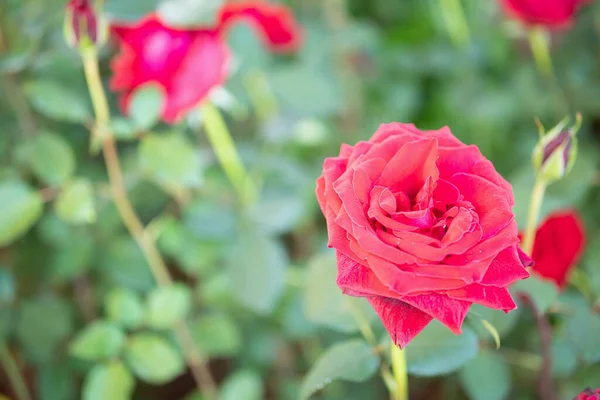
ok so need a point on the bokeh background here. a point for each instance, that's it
(264, 305)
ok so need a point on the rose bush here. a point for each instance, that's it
(551, 13)
(422, 226)
(187, 63)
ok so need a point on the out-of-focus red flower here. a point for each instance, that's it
(558, 245)
(81, 21)
(550, 13)
(423, 228)
(187, 63)
(588, 394)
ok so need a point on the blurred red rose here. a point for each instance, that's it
(588, 394)
(188, 63)
(551, 13)
(422, 226)
(558, 245)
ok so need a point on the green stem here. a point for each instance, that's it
(535, 204)
(540, 47)
(224, 148)
(400, 372)
(144, 239)
(454, 15)
(13, 373)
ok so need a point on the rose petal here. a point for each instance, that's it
(449, 312)
(505, 269)
(489, 296)
(274, 22)
(489, 200)
(410, 167)
(402, 321)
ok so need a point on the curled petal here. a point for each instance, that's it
(275, 23)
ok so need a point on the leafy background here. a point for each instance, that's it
(79, 311)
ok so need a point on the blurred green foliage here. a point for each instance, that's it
(78, 305)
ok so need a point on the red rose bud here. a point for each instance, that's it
(588, 394)
(548, 13)
(423, 227)
(555, 153)
(559, 242)
(82, 25)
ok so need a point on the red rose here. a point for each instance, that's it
(588, 394)
(422, 226)
(188, 63)
(558, 245)
(552, 13)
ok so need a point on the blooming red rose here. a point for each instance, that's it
(422, 226)
(188, 63)
(588, 394)
(551, 13)
(558, 245)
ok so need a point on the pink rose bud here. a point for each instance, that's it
(556, 151)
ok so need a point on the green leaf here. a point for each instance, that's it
(487, 377)
(75, 203)
(168, 305)
(324, 302)
(123, 264)
(352, 360)
(56, 381)
(108, 381)
(57, 101)
(170, 159)
(190, 13)
(582, 334)
(216, 335)
(153, 359)
(210, 221)
(249, 52)
(50, 158)
(7, 286)
(501, 321)
(256, 265)
(245, 385)
(437, 351)
(72, 260)
(21, 208)
(564, 357)
(278, 212)
(543, 293)
(124, 307)
(97, 341)
(42, 324)
(306, 92)
(146, 106)
(123, 129)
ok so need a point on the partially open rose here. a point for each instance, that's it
(423, 227)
